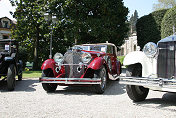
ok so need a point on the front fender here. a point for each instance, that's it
(49, 63)
(134, 57)
(149, 65)
(97, 63)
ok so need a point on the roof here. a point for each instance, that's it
(168, 39)
(12, 23)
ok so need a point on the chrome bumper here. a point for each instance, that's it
(161, 84)
(70, 80)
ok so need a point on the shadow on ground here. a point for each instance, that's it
(26, 85)
(113, 88)
(166, 102)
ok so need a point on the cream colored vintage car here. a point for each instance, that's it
(153, 68)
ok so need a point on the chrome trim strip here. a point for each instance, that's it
(163, 84)
(70, 80)
(72, 64)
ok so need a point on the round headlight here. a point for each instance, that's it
(86, 57)
(58, 58)
(150, 49)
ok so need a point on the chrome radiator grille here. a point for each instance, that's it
(72, 67)
(166, 59)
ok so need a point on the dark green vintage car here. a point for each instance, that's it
(10, 66)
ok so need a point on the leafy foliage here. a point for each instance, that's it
(78, 21)
(164, 4)
(149, 27)
(94, 21)
(168, 22)
(33, 31)
(23, 55)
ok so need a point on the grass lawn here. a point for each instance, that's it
(32, 74)
(121, 58)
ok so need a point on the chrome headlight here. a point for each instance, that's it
(86, 57)
(150, 49)
(58, 58)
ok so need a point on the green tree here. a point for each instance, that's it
(34, 32)
(149, 27)
(77, 22)
(168, 22)
(93, 21)
(164, 4)
(29, 26)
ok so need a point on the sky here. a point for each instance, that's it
(143, 7)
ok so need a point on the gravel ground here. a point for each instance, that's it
(29, 100)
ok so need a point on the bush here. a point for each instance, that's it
(168, 22)
(149, 27)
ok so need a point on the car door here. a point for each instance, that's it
(115, 64)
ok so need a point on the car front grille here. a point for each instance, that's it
(72, 61)
(166, 60)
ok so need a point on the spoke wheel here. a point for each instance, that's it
(11, 81)
(103, 75)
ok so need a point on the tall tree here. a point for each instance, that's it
(29, 21)
(34, 32)
(77, 21)
(164, 4)
(94, 21)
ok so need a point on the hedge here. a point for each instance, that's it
(149, 27)
(168, 22)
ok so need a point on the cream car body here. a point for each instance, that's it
(149, 65)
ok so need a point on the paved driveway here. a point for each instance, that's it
(29, 100)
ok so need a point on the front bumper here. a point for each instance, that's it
(161, 84)
(70, 80)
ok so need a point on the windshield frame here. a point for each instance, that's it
(89, 47)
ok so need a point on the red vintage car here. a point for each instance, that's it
(87, 64)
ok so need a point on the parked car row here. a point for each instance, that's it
(94, 64)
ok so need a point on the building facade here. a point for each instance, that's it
(6, 25)
(130, 45)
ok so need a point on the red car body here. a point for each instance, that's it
(102, 65)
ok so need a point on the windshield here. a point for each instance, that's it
(101, 48)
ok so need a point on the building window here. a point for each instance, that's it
(5, 24)
(5, 37)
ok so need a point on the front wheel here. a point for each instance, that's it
(136, 93)
(11, 81)
(47, 86)
(103, 75)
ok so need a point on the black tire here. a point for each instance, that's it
(20, 76)
(136, 93)
(47, 86)
(11, 81)
(99, 89)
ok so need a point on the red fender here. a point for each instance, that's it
(97, 63)
(49, 63)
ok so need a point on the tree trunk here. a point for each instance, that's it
(36, 45)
